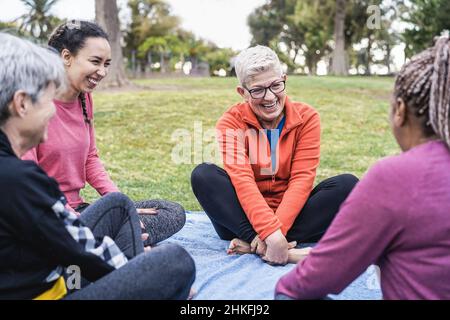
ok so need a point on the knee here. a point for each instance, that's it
(179, 210)
(176, 210)
(346, 182)
(179, 215)
(118, 199)
(202, 174)
(124, 204)
(182, 264)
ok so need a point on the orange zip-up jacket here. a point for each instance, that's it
(272, 198)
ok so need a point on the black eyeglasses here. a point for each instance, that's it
(260, 93)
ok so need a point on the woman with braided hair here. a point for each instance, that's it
(398, 216)
(70, 153)
(39, 238)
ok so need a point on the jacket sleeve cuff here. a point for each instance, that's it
(268, 231)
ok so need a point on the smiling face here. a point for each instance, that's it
(37, 116)
(89, 66)
(268, 109)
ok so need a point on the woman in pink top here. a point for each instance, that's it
(70, 154)
(398, 216)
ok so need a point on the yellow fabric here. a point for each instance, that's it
(57, 292)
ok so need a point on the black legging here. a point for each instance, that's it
(215, 192)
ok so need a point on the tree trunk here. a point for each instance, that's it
(134, 63)
(107, 16)
(339, 66)
(194, 62)
(388, 58)
(183, 61)
(162, 62)
(149, 62)
(311, 62)
(369, 55)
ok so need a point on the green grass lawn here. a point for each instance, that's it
(134, 128)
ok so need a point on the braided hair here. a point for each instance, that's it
(72, 36)
(424, 85)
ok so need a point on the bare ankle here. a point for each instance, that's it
(239, 246)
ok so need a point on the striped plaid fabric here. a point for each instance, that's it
(105, 248)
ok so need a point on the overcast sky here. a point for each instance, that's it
(222, 21)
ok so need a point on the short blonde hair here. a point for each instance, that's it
(255, 60)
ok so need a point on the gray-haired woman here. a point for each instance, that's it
(264, 199)
(39, 238)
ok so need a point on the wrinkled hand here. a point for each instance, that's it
(277, 249)
(259, 246)
(147, 211)
(292, 245)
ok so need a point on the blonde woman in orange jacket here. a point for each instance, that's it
(264, 200)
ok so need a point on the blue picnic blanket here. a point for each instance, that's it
(245, 277)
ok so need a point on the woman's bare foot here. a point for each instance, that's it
(238, 246)
(297, 255)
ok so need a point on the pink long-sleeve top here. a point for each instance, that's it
(70, 153)
(397, 217)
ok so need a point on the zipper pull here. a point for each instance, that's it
(273, 178)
